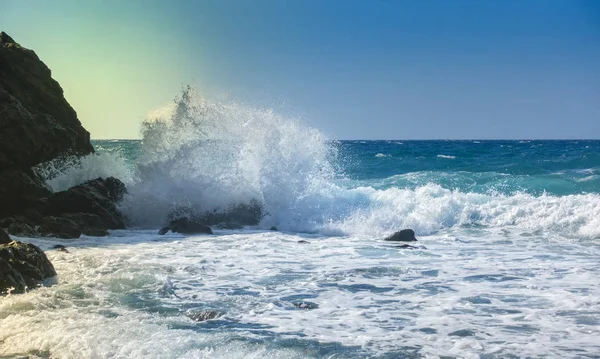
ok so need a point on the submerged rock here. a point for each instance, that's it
(462, 333)
(185, 226)
(405, 235)
(306, 305)
(407, 246)
(23, 266)
(203, 315)
(61, 248)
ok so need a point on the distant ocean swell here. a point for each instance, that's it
(210, 156)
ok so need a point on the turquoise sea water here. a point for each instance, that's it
(506, 264)
(558, 167)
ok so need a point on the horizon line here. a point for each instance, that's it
(413, 139)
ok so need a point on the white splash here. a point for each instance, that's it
(210, 156)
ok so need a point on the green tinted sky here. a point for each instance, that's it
(369, 69)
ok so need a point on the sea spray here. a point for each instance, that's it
(64, 173)
(203, 156)
(211, 156)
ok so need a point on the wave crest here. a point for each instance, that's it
(211, 156)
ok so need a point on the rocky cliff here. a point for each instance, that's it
(37, 125)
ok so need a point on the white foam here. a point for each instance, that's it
(74, 171)
(430, 208)
(206, 155)
(524, 296)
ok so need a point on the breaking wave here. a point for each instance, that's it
(211, 156)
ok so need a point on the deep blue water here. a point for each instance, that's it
(557, 167)
(505, 266)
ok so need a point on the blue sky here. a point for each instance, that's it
(354, 69)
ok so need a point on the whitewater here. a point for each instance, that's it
(506, 263)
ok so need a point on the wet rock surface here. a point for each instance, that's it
(59, 227)
(203, 315)
(37, 122)
(97, 197)
(23, 266)
(38, 125)
(185, 226)
(405, 235)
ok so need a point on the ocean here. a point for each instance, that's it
(506, 264)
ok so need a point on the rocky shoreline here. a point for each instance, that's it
(38, 125)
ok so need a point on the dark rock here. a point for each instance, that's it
(306, 305)
(20, 190)
(89, 224)
(242, 215)
(37, 123)
(462, 333)
(185, 226)
(7, 221)
(98, 197)
(32, 216)
(4, 237)
(273, 228)
(302, 241)
(59, 227)
(405, 235)
(19, 226)
(22, 267)
(21, 229)
(229, 225)
(204, 315)
(61, 248)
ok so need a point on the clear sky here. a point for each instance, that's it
(371, 69)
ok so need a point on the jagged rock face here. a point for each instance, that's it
(21, 190)
(22, 267)
(98, 197)
(37, 124)
(59, 227)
